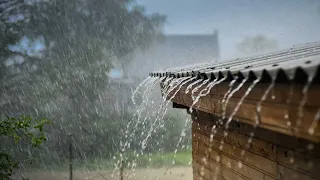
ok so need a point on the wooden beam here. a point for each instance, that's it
(280, 112)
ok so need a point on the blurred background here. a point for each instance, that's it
(78, 62)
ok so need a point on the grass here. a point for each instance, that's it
(165, 159)
(155, 160)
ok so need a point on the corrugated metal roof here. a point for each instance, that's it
(297, 64)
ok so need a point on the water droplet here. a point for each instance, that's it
(292, 160)
(218, 158)
(243, 152)
(251, 134)
(288, 123)
(286, 116)
(202, 172)
(310, 146)
(311, 131)
(204, 160)
(239, 164)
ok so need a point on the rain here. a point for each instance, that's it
(150, 89)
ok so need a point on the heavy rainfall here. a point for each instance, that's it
(83, 90)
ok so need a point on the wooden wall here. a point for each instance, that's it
(280, 112)
(236, 154)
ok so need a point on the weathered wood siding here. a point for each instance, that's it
(236, 154)
(280, 112)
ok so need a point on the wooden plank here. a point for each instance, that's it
(278, 95)
(229, 175)
(242, 169)
(272, 115)
(205, 121)
(222, 171)
(289, 174)
(251, 159)
(300, 162)
(262, 148)
(202, 170)
(229, 162)
(290, 158)
(194, 145)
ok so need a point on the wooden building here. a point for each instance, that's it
(272, 134)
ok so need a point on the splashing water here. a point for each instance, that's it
(142, 107)
(314, 122)
(241, 101)
(149, 84)
(163, 109)
(182, 135)
(146, 81)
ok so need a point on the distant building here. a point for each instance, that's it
(173, 51)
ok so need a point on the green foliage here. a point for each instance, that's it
(68, 81)
(19, 129)
(182, 158)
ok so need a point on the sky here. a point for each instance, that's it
(289, 22)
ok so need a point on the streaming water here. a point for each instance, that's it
(314, 123)
(168, 82)
(182, 135)
(163, 109)
(192, 84)
(174, 85)
(241, 101)
(146, 102)
(149, 84)
(258, 110)
(205, 92)
(196, 98)
(263, 98)
(146, 81)
(223, 107)
(231, 94)
(162, 113)
(303, 101)
(288, 102)
(198, 87)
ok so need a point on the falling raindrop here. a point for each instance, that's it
(304, 100)
(241, 100)
(314, 123)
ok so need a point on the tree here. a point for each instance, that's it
(257, 45)
(67, 80)
(20, 130)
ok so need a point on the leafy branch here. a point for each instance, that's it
(22, 129)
